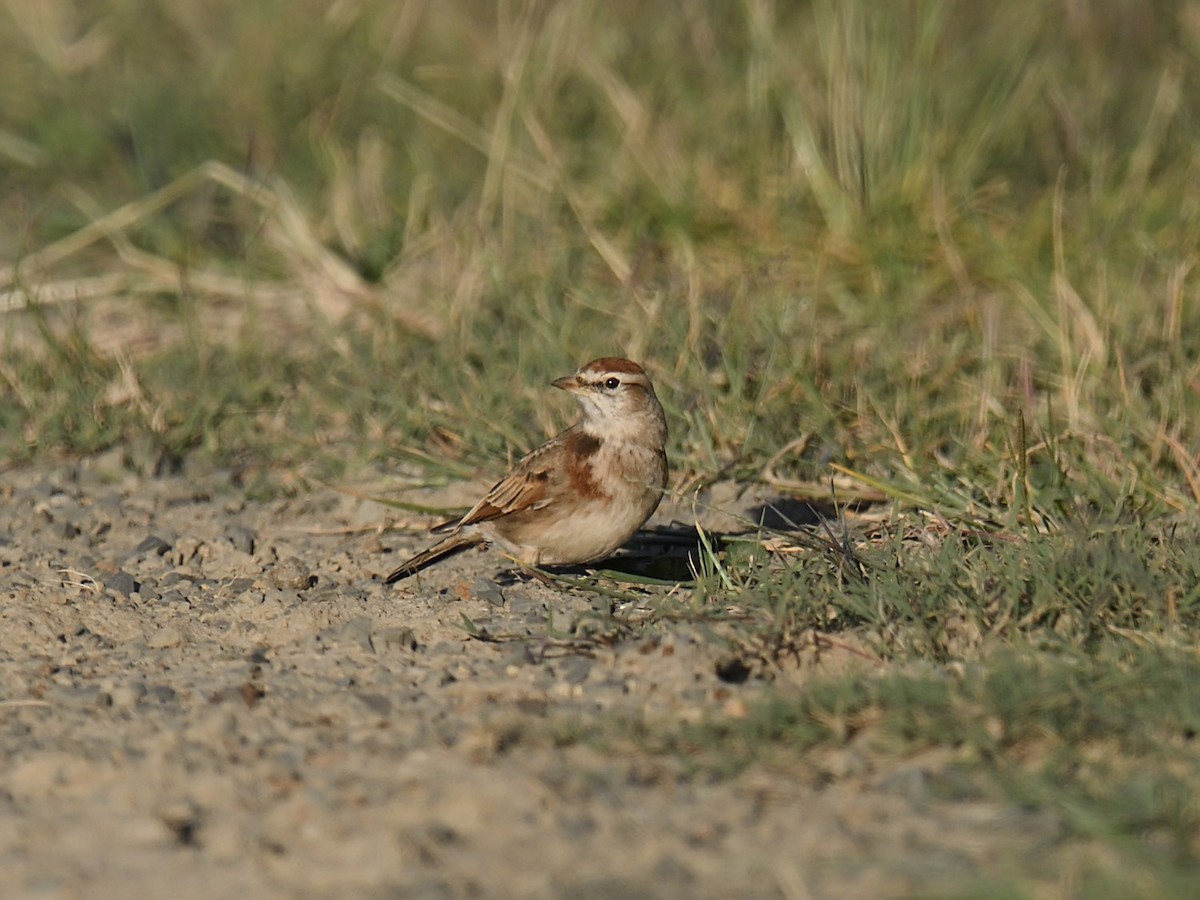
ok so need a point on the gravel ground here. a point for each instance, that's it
(202, 695)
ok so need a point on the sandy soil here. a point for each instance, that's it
(205, 696)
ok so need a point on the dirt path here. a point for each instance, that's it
(203, 696)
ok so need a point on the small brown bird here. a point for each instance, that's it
(582, 494)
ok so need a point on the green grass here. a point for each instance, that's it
(947, 248)
(1106, 743)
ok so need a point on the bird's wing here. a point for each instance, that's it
(530, 485)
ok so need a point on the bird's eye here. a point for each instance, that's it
(612, 383)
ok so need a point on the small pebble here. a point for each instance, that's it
(488, 591)
(43, 490)
(125, 696)
(393, 639)
(242, 538)
(574, 669)
(166, 637)
(66, 530)
(523, 654)
(521, 604)
(377, 703)
(291, 574)
(356, 631)
(162, 693)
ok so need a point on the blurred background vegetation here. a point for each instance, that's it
(305, 234)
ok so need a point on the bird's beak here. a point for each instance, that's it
(568, 383)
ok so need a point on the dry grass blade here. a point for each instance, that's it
(319, 278)
(616, 259)
(453, 122)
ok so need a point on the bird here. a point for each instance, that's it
(583, 493)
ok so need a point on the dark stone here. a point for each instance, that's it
(733, 671)
(121, 582)
(152, 545)
(377, 703)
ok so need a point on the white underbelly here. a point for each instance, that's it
(591, 533)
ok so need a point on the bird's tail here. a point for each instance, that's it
(456, 543)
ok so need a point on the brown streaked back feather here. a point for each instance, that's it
(527, 487)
